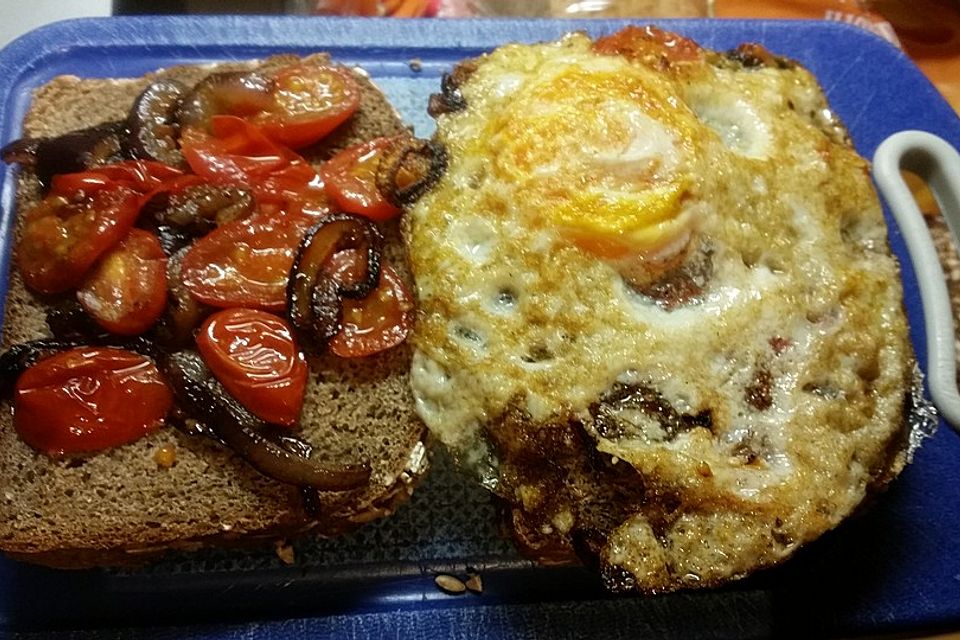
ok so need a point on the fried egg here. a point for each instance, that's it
(658, 314)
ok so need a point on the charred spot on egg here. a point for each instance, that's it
(657, 314)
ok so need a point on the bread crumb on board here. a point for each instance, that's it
(474, 583)
(284, 551)
(455, 586)
(450, 584)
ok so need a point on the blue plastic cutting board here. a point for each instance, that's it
(895, 568)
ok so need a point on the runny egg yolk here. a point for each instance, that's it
(605, 158)
(621, 225)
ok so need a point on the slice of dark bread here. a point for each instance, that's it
(121, 505)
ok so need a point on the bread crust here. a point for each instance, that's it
(121, 506)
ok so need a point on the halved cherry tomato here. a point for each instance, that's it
(173, 185)
(235, 152)
(235, 93)
(254, 355)
(351, 180)
(62, 237)
(142, 176)
(245, 263)
(88, 399)
(126, 292)
(638, 43)
(376, 323)
(311, 101)
(241, 137)
(297, 188)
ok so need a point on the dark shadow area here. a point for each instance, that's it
(521, 597)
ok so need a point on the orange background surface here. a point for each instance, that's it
(928, 30)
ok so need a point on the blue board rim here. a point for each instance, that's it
(32, 55)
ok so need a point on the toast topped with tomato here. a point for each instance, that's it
(205, 322)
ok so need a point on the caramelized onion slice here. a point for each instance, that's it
(326, 312)
(209, 402)
(239, 93)
(172, 239)
(450, 99)
(152, 127)
(409, 168)
(72, 152)
(184, 313)
(198, 209)
(68, 320)
(314, 293)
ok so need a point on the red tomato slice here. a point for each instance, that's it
(351, 180)
(235, 152)
(175, 184)
(254, 355)
(245, 263)
(241, 137)
(638, 43)
(62, 238)
(67, 184)
(238, 153)
(89, 399)
(297, 188)
(127, 290)
(142, 176)
(376, 323)
(311, 101)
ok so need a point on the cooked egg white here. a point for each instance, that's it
(575, 180)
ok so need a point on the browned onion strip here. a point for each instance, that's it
(184, 313)
(236, 93)
(152, 128)
(313, 294)
(68, 320)
(197, 210)
(69, 153)
(326, 311)
(450, 99)
(409, 168)
(206, 400)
